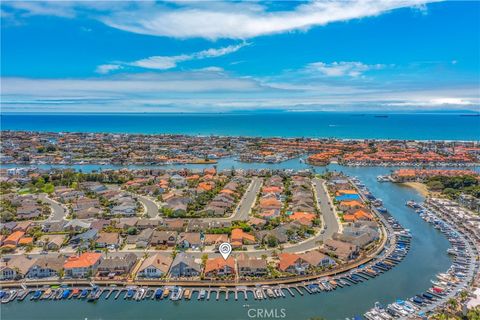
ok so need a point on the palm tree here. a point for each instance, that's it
(463, 295)
(174, 253)
(452, 304)
(106, 251)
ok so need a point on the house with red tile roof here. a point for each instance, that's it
(25, 241)
(239, 238)
(13, 239)
(292, 263)
(82, 265)
(219, 267)
(305, 218)
(210, 171)
(205, 186)
(270, 203)
(350, 204)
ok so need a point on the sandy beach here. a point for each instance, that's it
(419, 187)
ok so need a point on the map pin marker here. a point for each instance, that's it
(225, 249)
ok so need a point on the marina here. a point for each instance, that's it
(446, 285)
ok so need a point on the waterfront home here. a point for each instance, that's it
(292, 263)
(108, 239)
(164, 238)
(155, 266)
(317, 259)
(359, 234)
(357, 215)
(116, 266)
(46, 267)
(184, 265)
(190, 240)
(83, 265)
(15, 267)
(350, 204)
(251, 267)
(219, 267)
(239, 238)
(342, 250)
(51, 241)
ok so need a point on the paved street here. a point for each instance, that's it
(58, 212)
(150, 206)
(242, 211)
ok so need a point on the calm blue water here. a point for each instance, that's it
(446, 126)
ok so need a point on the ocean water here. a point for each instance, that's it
(435, 126)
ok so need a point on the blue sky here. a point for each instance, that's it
(95, 56)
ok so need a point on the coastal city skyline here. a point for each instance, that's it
(247, 56)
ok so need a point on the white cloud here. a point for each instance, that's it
(211, 69)
(106, 68)
(342, 68)
(214, 20)
(169, 62)
(202, 91)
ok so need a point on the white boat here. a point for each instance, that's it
(176, 293)
(383, 178)
(139, 294)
